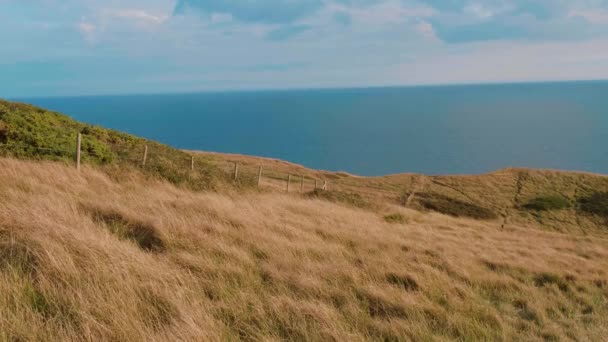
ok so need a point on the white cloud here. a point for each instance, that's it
(382, 12)
(479, 10)
(509, 62)
(426, 30)
(596, 16)
(87, 30)
(139, 15)
(346, 43)
(221, 18)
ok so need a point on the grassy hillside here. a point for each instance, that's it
(546, 199)
(119, 251)
(84, 257)
(550, 200)
(29, 132)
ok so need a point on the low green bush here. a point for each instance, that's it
(454, 207)
(352, 199)
(29, 132)
(595, 204)
(547, 203)
(395, 218)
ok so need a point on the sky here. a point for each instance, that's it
(88, 47)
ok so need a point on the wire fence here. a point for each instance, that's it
(147, 158)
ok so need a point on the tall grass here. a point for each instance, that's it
(87, 257)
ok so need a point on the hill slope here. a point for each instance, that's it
(84, 257)
(30, 132)
(545, 199)
(121, 251)
(562, 201)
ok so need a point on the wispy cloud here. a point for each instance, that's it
(286, 32)
(154, 45)
(266, 11)
(138, 15)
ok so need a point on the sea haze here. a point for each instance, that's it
(375, 131)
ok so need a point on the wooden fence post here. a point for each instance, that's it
(192, 163)
(301, 183)
(78, 145)
(288, 182)
(236, 171)
(324, 185)
(260, 176)
(143, 162)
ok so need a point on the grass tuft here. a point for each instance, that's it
(145, 235)
(454, 207)
(349, 198)
(547, 203)
(595, 204)
(16, 255)
(405, 282)
(395, 218)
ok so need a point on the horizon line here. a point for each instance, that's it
(328, 88)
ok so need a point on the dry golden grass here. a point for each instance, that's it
(502, 194)
(86, 257)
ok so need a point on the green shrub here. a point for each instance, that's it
(595, 204)
(3, 131)
(30, 132)
(352, 199)
(454, 207)
(395, 218)
(547, 203)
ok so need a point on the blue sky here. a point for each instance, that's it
(83, 47)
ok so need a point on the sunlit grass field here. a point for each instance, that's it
(87, 257)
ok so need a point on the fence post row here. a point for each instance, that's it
(260, 176)
(145, 158)
(78, 145)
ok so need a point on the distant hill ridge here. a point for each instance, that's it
(556, 200)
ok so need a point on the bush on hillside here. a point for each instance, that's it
(454, 207)
(395, 218)
(29, 132)
(3, 132)
(547, 203)
(349, 198)
(595, 204)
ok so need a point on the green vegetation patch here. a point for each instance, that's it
(3, 132)
(29, 132)
(547, 203)
(395, 218)
(595, 204)
(348, 198)
(454, 207)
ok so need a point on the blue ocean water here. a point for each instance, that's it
(376, 131)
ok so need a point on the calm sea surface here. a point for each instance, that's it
(432, 130)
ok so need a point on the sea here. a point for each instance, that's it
(457, 129)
